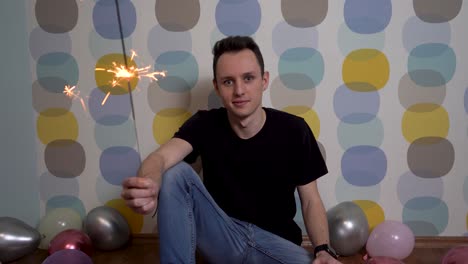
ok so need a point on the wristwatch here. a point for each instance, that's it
(326, 248)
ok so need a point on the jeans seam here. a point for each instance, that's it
(192, 235)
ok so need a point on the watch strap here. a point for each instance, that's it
(326, 248)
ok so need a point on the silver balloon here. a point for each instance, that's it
(107, 228)
(17, 239)
(348, 228)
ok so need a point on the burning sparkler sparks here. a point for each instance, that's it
(70, 92)
(123, 73)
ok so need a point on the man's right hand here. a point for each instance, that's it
(140, 194)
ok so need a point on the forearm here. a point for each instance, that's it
(315, 220)
(153, 167)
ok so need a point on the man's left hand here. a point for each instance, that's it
(325, 258)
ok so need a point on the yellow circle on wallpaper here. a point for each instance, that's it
(107, 67)
(425, 120)
(309, 115)
(366, 70)
(135, 221)
(167, 122)
(373, 211)
(56, 123)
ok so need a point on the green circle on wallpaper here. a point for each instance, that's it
(301, 68)
(432, 64)
(426, 216)
(181, 71)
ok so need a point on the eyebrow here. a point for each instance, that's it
(243, 74)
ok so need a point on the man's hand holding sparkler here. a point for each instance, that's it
(140, 194)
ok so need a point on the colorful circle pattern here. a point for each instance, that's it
(430, 155)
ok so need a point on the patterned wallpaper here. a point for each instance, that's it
(382, 84)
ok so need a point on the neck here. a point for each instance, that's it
(248, 127)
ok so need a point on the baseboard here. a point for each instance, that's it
(421, 242)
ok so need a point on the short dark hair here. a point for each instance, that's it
(234, 44)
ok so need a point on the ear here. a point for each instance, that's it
(215, 85)
(265, 80)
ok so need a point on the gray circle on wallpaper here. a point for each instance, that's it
(465, 190)
(430, 157)
(437, 11)
(99, 46)
(159, 98)
(282, 96)
(411, 93)
(42, 42)
(304, 13)
(214, 101)
(410, 186)
(177, 15)
(51, 186)
(323, 151)
(345, 191)
(65, 158)
(56, 16)
(43, 99)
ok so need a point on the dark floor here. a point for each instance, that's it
(144, 249)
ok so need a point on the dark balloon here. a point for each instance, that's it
(107, 228)
(456, 255)
(17, 239)
(71, 239)
(68, 256)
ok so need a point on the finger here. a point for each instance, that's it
(134, 193)
(138, 182)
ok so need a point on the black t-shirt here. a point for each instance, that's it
(254, 179)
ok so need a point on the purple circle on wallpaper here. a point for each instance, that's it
(364, 165)
(105, 18)
(115, 111)
(367, 16)
(354, 107)
(239, 17)
(118, 163)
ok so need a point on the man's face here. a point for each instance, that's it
(239, 83)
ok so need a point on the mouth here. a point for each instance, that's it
(239, 103)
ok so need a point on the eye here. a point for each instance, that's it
(228, 82)
(249, 78)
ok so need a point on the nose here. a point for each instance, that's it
(239, 89)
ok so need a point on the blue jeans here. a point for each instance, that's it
(189, 219)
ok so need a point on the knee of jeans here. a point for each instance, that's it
(176, 177)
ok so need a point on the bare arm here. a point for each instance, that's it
(315, 219)
(141, 193)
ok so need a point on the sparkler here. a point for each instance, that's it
(124, 73)
(70, 92)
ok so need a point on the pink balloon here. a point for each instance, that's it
(71, 239)
(383, 260)
(390, 239)
(457, 255)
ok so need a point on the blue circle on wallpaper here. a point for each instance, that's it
(55, 70)
(181, 71)
(364, 165)
(417, 32)
(283, 33)
(66, 201)
(238, 17)
(355, 107)
(301, 68)
(114, 112)
(118, 163)
(105, 18)
(431, 64)
(367, 16)
(161, 40)
(426, 216)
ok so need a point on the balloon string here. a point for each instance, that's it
(128, 82)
